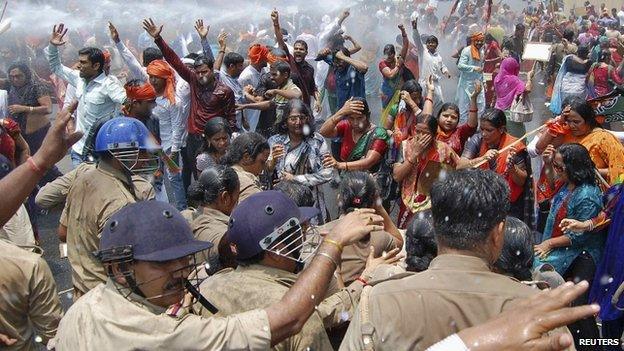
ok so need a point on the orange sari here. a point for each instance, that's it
(500, 166)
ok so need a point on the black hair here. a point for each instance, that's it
(448, 106)
(357, 190)
(605, 56)
(432, 39)
(203, 60)
(282, 67)
(389, 49)
(494, 116)
(516, 258)
(489, 38)
(520, 26)
(296, 105)
(432, 124)
(211, 182)
(232, 58)
(568, 34)
(193, 56)
(583, 51)
(151, 54)
(250, 143)
(420, 244)
(584, 109)
(579, 166)
(213, 126)
(412, 86)
(94, 55)
(466, 206)
(301, 194)
(366, 111)
(23, 67)
(88, 152)
(302, 42)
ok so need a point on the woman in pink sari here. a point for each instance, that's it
(508, 87)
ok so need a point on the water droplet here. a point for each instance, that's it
(517, 252)
(446, 218)
(605, 279)
(479, 214)
(306, 130)
(265, 328)
(344, 316)
(70, 295)
(379, 202)
(367, 340)
(38, 339)
(312, 297)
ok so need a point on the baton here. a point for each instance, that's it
(202, 300)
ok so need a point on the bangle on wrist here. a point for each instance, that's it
(346, 165)
(334, 242)
(331, 259)
(30, 109)
(429, 99)
(33, 165)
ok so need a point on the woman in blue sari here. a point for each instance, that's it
(610, 271)
(573, 254)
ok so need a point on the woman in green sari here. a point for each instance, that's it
(363, 144)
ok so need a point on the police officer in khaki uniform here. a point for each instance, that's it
(147, 248)
(248, 155)
(458, 290)
(267, 248)
(125, 148)
(216, 190)
(29, 306)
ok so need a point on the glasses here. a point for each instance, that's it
(293, 118)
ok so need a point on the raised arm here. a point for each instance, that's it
(416, 37)
(357, 64)
(16, 186)
(288, 316)
(329, 129)
(279, 37)
(356, 46)
(222, 46)
(136, 70)
(202, 31)
(170, 55)
(405, 42)
(473, 112)
(52, 55)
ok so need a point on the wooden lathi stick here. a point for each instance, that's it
(528, 134)
(602, 180)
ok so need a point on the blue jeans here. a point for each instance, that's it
(177, 185)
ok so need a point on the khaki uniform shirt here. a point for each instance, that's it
(354, 256)
(55, 192)
(93, 198)
(415, 312)
(18, 229)
(257, 286)
(249, 183)
(29, 304)
(208, 225)
(103, 319)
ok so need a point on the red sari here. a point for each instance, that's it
(500, 166)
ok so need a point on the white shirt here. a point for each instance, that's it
(432, 65)
(250, 76)
(620, 15)
(4, 103)
(170, 123)
(97, 98)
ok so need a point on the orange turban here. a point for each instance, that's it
(474, 51)
(160, 69)
(258, 53)
(140, 92)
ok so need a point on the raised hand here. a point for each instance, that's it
(351, 107)
(151, 28)
(113, 32)
(221, 39)
(201, 29)
(58, 35)
(549, 154)
(345, 14)
(356, 225)
(477, 89)
(275, 17)
(401, 28)
(415, 24)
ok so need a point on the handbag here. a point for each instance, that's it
(521, 110)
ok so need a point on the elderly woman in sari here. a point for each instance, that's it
(422, 158)
(470, 67)
(490, 149)
(509, 88)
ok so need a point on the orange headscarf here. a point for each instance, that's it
(258, 53)
(140, 92)
(474, 51)
(161, 69)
